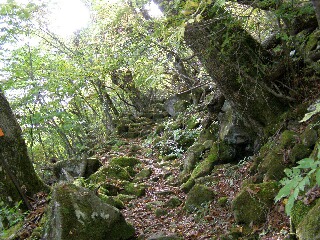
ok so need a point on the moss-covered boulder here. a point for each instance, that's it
(75, 168)
(309, 137)
(127, 163)
(135, 189)
(173, 202)
(298, 212)
(193, 156)
(186, 187)
(220, 152)
(111, 200)
(198, 196)
(288, 139)
(124, 161)
(109, 172)
(143, 174)
(252, 204)
(272, 164)
(298, 152)
(77, 213)
(309, 227)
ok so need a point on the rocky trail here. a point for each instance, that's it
(164, 209)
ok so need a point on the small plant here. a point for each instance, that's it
(9, 216)
(297, 179)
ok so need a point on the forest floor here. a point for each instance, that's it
(149, 215)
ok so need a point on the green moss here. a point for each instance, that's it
(251, 205)
(223, 201)
(272, 165)
(160, 129)
(76, 213)
(173, 202)
(298, 152)
(309, 227)
(188, 185)
(309, 137)
(114, 171)
(288, 139)
(197, 197)
(138, 190)
(193, 156)
(125, 198)
(298, 212)
(313, 40)
(143, 174)
(219, 153)
(193, 122)
(113, 201)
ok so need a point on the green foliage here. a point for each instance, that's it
(9, 216)
(298, 178)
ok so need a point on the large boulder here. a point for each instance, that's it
(198, 196)
(66, 169)
(77, 213)
(252, 204)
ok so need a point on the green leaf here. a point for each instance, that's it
(289, 205)
(318, 176)
(306, 163)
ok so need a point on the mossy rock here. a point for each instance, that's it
(136, 189)
(313, 41)
(298, 152)
(193, 156)
(198, 196)
(186, 187)
(298, 212)
(173, 202)
(288, 139)
(219, 153)
(309, 137)
(143, 174)
(125, 161)
(222, 202)
(210, 133)
(76, 213)
(309, 227)
(207, 144)
(253, 202)
(111, 172)
(193, 122)
(113, 201)
(125, 198)
(272, 165)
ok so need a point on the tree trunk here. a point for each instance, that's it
(18, 178)
(239, 66)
